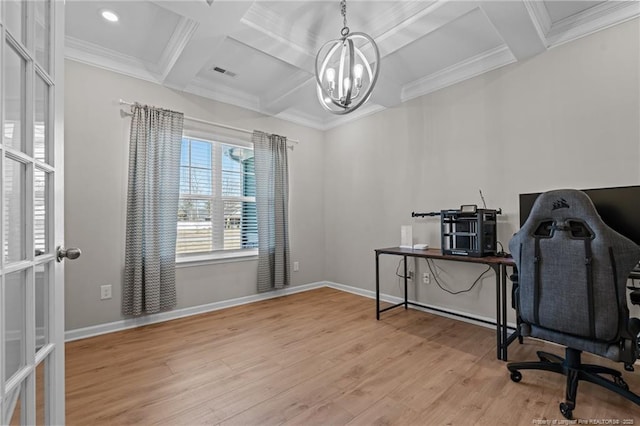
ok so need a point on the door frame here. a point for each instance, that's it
(55, 383)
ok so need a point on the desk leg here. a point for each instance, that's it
(496, 271)
(406, 297)
(503, 290)
(377, 286)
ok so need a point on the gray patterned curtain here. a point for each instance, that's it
(272, 205)
(152, 209)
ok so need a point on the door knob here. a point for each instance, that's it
(70, 253)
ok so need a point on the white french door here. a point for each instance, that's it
(31, 279)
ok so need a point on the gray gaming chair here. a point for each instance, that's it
(572, 272)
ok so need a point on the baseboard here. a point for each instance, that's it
(96, 330)
(451, 313)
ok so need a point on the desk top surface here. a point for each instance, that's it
(433, 253)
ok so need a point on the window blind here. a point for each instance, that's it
(217, 198)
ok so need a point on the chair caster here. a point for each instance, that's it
(516, 376)
(619, 381)
(629, 367)
(566, 410)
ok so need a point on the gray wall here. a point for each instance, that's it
(566, 118)
(96, 155)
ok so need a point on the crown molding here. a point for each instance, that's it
(177, 43)
(298, 117)
(202, 87)
(363, 111)
(98, 56)
(592, 20)
(308, 120)
(275, 100)
(265, 31)
(540, 17)
(221, 93)
(472, 67)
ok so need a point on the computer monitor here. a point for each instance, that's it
(618, 207)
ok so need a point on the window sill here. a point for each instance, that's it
(214, 258)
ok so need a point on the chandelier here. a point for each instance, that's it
(344, 75)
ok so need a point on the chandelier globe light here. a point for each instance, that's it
(345, 76)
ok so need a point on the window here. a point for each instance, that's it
(217, 208)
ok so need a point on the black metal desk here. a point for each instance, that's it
(497, 264)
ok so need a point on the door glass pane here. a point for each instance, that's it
(40, 399)
(42, 33)
(14, 210)
(42, 301)
(14, 18)
(40, 216)
(40, 123)
(14, 85)
(14, 417)
(14, 316)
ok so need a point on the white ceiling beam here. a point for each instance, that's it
(261, 30)
(215, 22)
(276, 46)
(426, 21)
(516, 26)
(196, 10)
(178, 42)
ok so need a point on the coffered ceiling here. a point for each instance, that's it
(268, 48)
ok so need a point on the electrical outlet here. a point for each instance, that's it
(296, 266)
(426, 278)
(105, 292)
(411, 275)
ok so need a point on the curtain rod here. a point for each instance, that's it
(211, 123)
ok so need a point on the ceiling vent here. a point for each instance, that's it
(225, 72)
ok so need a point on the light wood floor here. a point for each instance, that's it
(318, 358)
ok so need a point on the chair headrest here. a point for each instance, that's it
(563, 203)
(561, 207)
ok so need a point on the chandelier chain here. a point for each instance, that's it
(343, 11)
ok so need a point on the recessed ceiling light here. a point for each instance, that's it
(109, 15)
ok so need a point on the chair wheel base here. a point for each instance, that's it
(575, 371)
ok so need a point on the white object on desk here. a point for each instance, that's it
(406, 236)
(420, 246)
